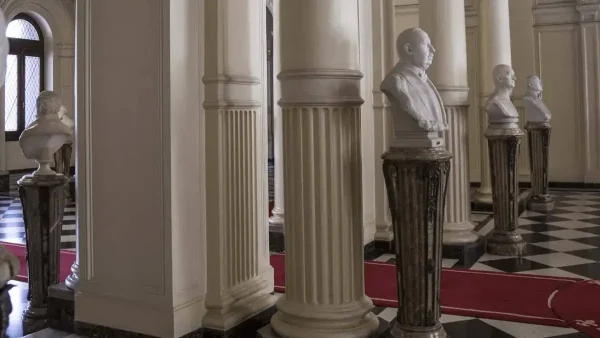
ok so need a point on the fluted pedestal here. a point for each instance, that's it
(503, 143)
(62, 163)
(416, 181)
(43, 202)
(538, 134)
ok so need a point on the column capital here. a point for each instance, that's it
(588, 10)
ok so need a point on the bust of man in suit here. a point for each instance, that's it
(44, 136)
(535, 109)
(417, 108)
(499, 106)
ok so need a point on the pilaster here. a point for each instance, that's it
(241, 279)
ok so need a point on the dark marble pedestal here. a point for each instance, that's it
(504, 142)
(43, 200)
(416, 180)
(4, 181)
(538, 134)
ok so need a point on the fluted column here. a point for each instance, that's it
(445, 23)
(320, 98)
(241, 279)
(277, 218)
(494, 50)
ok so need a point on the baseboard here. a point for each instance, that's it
(29, 170)
(555, 185)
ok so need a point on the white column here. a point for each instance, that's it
(320, 88)
(444, 21)
(241, 279)
(589, 28)
(277, 218)
(384, 54)
(494, 32)
(141, 234)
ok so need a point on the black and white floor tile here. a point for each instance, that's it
(12, 228)
(562, 243)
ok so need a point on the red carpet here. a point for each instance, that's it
(578, 305)
(501, 296)
(66, 260)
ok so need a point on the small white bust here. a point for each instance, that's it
(417, 108)
(499, 106)
(44, 136)
(64, 118)
(535, 109)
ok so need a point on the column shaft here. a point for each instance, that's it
(241, 278)
(445, 23)
(322, 173)
(495, 49)
(277, 219)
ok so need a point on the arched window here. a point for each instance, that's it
(24, 74)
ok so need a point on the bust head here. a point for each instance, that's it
(414, 47)
(504, 77)
(534, 86)
(48, 103)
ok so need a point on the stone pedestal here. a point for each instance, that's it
(503, 143)
(538, 134)
(416, 181)
(43, 203)
(62, 163)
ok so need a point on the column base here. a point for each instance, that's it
(540, 203)
(252, 324)
(4, 181)
(61, 308)
(398, 331)
(468, 253)
(501, 243)
(238, 305)
(300, 320)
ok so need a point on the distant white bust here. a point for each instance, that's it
(535, 109)
(499, 106)
(417, 108)
(44, 136)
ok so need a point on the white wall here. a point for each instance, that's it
(549, 39)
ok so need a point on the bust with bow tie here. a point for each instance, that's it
(535, 109)
(417, 108)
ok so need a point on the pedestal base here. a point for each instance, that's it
(505, 244)
(468, 253)
(540, 205)
(397, 331)
(34, 319)
(61, 308)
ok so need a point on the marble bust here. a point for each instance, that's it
(499, 106)
(44, 136)
(535, 109)
(417, 108)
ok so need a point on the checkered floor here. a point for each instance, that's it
(563, 243)
(12, 228)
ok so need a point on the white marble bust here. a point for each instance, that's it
(417, 108)
(499, 106)
(64, 118)
(535, 109)
(44, 136)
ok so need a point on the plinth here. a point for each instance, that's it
(503, 142)
(43, 199)
(538, 134)
(416, 181)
